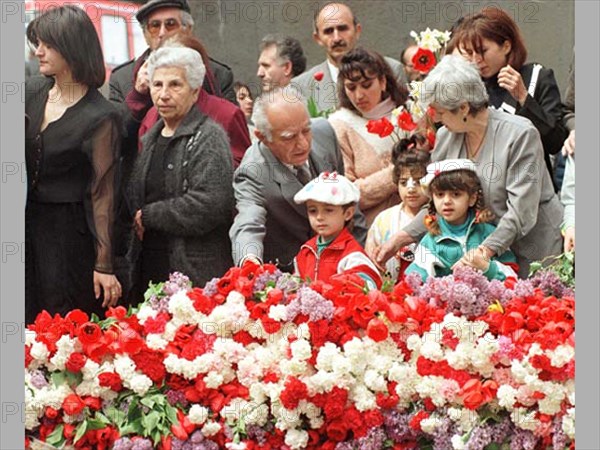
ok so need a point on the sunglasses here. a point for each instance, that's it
(154, 26)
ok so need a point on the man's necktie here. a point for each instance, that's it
(303, 174)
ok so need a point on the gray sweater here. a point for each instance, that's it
(198, 208)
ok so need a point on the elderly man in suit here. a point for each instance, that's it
(291, 150)
(337, 30)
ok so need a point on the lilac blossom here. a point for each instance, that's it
(210, 288)
(38, 380)
(311, 304)
(174, 397)
(266, 278)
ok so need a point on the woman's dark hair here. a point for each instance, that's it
(362, 63)
(70, 31)
(406, 155)
(496, 25)
(458, 180)
(239, 85)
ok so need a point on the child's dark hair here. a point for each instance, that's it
(349, 224)
(457, 180)
(406, 155)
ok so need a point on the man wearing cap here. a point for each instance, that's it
(337, 30)
(291, 150)
(161, 19)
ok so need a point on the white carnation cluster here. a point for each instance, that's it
(131, 378)
(433, 40)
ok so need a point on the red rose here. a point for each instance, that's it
(382, 127)
(424, 60)
(75, 362)
(318, 75)
(377, 330)
(110, 380)
(336, 430)
(72, 404)
(405, 121)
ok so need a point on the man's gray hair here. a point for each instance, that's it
(288, 49)
(288, 94)
(453, 82)
(186, 58)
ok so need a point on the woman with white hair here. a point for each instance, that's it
(509, 157)
(181, 186)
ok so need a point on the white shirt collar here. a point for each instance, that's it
(333, 71)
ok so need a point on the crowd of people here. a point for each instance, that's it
(185, 168)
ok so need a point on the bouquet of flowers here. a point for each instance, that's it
(432, 44)
(261, 360)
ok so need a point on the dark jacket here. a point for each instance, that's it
(198, 211)
(544, 108)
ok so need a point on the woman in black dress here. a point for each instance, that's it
(72, 152)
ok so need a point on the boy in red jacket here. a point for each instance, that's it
(330, 201)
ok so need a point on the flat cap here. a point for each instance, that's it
(153, 5)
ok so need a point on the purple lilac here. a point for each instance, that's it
(210, 288)
(559, 439)
(261, 281)
(174, 397)
(287, 283)
(413, 280)
(522, 440)
(123, 443)
(396, 426)
(550, 284)
(257, 434)
(497, 291)
(442, 436)
(374, 440)
(196, 437)
(344, 446)
(484, 435)
(310, 303)
(142, 444)
(38, 380)
(523, 289)
(176, 444)
(177, 281)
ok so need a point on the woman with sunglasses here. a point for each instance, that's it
(72, 153)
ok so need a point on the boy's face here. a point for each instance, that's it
(327, 220)
(409, 188)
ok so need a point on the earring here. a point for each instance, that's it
(465, 119)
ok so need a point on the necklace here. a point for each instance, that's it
(472, 153)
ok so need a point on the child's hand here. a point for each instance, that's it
(477, 258)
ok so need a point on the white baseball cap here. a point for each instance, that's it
(330, 188)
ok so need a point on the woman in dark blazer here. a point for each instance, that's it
(492, 40)
(181, 185)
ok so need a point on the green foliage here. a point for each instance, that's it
(562, 265)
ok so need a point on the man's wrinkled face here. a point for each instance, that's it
(161, 25)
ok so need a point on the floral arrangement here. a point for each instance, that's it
(407, 120)
(260, 360)
(432, 44)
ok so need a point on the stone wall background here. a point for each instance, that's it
(232, 29)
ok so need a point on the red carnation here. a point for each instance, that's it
(424, 60)
(50, 412)
(72, 404)
(336, 430)
(151, 364)
(415, 422)
(318, 75)
(110, 380)
(75, 362)
(405, 121)
(335, 403)
(377, 330)
(295, 390)
(382, 127)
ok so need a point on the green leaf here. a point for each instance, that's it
(134, 427)
(56, 438)
(171, 414)
(156, 435)
(58, 378)
(148, 401)
(116, 416)
(154, 289)
(313, 111)
(81, 429)
(492, 446)
(94, 318)
(150, 421)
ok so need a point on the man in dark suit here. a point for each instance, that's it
(337, 30)
(291, 150)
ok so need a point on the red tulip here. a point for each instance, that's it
(377, 330)
(318, 76)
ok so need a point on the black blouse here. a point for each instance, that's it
(75, 159)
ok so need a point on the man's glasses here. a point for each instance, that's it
(154, 26)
